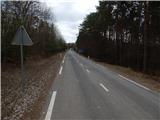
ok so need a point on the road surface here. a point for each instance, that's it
(86, 90)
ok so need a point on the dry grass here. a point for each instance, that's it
(40, 73)
(152, 82)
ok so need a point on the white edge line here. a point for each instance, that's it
(50, 107)
(60, 71)
(104, 87)
(134, 82)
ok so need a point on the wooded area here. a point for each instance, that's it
(38, 20)
(42, 64)
(125, 33)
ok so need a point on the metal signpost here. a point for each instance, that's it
(22, 38)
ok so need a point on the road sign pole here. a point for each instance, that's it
(22, 38)
(22, 67)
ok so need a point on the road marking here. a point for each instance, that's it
(63, 61)
(104, 87)
(81, 64)
(63, 58)
(50, 107)
(87, 70)
(60, 71)
(134, 82)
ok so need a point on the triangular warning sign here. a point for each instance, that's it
(22, 37)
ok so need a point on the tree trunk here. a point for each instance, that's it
(145, 37)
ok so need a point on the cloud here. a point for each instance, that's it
(69, 14)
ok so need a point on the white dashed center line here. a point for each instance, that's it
(60, 71)
(87, 70)
(81, 64)
(63, 61)
(104, 87)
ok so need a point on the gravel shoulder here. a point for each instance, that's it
(40, 74)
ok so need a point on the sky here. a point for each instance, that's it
(69, 14)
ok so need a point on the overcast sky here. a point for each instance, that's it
(69, 14)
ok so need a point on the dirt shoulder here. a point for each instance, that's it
(40, 74)
(152, 82)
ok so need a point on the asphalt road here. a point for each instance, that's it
(86, 90)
